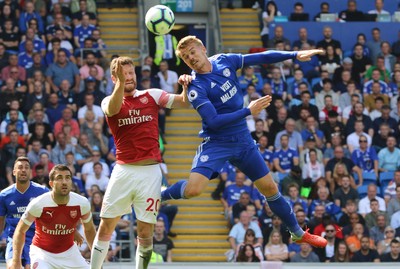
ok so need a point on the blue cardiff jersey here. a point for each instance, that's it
(221, 88)
(286, 157)
(13, 205)
(365, 160)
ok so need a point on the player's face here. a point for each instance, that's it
(22, 172)
(62, 183)
(130, 78)
(195, 56)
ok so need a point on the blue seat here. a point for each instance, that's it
(369, 177)
(362, 191)
(289, 80)
(385, 178)
(315, 81)
(282, 176)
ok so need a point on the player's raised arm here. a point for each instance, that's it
(19, 239)
(275, 56)
(117, 75)
(181, 100)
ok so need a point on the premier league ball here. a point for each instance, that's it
(160, 19)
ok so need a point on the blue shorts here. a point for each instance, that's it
(25, 252)
(240, 150)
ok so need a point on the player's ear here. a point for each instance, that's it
(51, 183)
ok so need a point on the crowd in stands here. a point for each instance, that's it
(54, 75)
(331, 139)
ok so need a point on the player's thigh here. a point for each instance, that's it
(209, 159)
(250, 162)
(147, 194)
(120, 191)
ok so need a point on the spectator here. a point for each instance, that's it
(305, 103)
(296, 87)
(249, 77)
(382, 74)
(98, 43)
(364, 206)
(395, 220)
(385, 118)
(332, 126)
(326, 90)
(345, 193)
(395, 113)
(350, 109)
(62, 69)
(89, 105)
(339, 158)
(384, 246)
(97, 178)
(232, 193)
(91, 87)
(54, 110)
(88, 168)
(389, 157)
(61, 149)
(279, 37)
(327, 253)
(9, 38)
(298, 13)
(316, 219)
(361, 63)
(294, 177)
(58, 22)
(29, 14)
(342, 253)
(323, 194)
(303, 38)
(162, 244)
(238, 231)
(278, 85)
(67, 119)
(345, 73)
(91, 62)
(378, 8)
(358, 115)
(394, 202)
(66, 96)
(350, 217)
(390, 59)
(374, 45)
(340, 171)
(12, 64)
(353, 139)
(285, 157)
(310, 144)
(249, 240)
(294, 138)
(393, 255)
(10, 11)
(21, 126)
(39, 134)
(268, 16)
(45, 162)
(306, 254)
(259, 130)
(294, 198)
(330, 61)
(377, 111)
(354, 239)
(328, 40)
(373, 90)
(351, 13)
(366, 253)
(275, 249)
(98, 139)
(240, 206)
(313, 169)
(329, 106)
(377, 232)
(79, 17)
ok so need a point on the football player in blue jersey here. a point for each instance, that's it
(13, 202)
(214, 91)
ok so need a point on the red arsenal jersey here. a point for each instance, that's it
(55, 224)
(135, 127)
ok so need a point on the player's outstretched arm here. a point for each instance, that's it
(89, 229)
(114, 105)
(305, 55)
(18, 244)
(216, 121)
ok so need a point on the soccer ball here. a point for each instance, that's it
(160, 19)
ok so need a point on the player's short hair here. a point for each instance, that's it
(23, 159)
(185, 42)
(57, 168)
(123, 60)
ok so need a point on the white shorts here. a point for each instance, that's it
(129, 185)
(69, 259)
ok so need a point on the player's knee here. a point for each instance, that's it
(192, 192)
(145, 242)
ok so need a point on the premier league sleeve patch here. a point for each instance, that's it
(192, 95)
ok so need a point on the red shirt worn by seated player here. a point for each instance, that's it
(56, 224)
(135, 127)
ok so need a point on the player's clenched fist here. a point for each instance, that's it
(185, 80)
(119, 71)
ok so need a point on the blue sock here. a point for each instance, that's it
(282, 209)
(175, 191)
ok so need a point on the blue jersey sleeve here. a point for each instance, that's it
(268, 57)
(216, 121)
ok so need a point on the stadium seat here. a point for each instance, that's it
(385, 178)
(347, 53)
(362, 191)
(289, 80)
(315, 81)
(369, 177)
(282, 176)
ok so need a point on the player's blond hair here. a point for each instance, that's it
(185, 42)
(123, 60)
